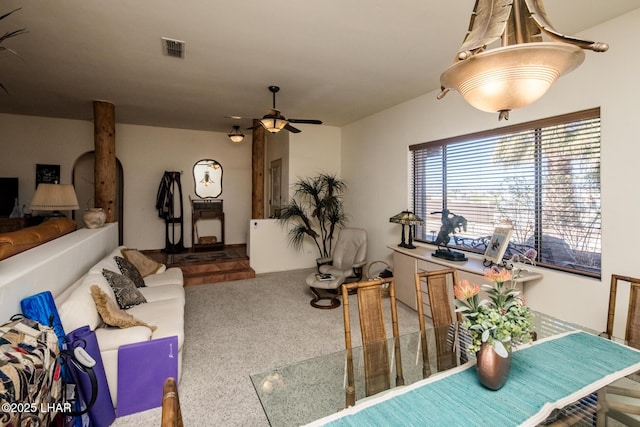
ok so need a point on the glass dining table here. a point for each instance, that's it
(315, 389)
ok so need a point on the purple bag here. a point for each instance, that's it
(102, 412)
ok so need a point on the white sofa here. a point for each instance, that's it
(164, 309)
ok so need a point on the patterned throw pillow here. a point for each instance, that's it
(129, 270)
(127, 295)
(112, 315)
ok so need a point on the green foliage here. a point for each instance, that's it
(317, 210)
(499, 321)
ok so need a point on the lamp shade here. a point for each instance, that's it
(406, 218)
(273, 125)
(511, 77)
(54, 197)
(523, 69)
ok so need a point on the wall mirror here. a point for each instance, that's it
(207, 178)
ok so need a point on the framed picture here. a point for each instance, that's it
(49, 174)
(498, 244)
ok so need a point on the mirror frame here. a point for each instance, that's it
(202, 173)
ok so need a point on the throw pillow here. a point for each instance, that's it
(111, 314)
(127, 295)
(143, 263)
(130, 271)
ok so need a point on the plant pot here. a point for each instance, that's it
(492, 368)
(94, 217)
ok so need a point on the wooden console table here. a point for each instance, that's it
(205, 210)
(407, 262)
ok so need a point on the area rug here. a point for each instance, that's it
(196, 257)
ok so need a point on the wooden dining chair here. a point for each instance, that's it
(171, 413)
(371, 313)
(621, 399)
(435, 300)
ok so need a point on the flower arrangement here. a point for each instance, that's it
(520, 262)
(499, 321)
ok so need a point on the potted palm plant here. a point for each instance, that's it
(317, 210)
(8, 35)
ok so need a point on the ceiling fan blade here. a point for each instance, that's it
(308, 121)
(237, 117)
(292, 129)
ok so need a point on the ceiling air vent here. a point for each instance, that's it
(172, 47)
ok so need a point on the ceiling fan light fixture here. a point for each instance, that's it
(523, 68)
(273, 125)
(236, 135)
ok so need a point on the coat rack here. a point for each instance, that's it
(170, 188)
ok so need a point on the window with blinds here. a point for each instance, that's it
(543, 177)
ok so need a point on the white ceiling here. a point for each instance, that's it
(335, 60)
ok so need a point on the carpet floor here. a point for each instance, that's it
(235, 329)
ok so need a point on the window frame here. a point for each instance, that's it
(536, 127)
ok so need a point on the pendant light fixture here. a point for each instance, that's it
(523, 68)
(236, 135)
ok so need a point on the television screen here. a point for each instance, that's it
(8, 195)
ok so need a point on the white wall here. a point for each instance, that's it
(269, 249)
(375, 163)
(316, 149)
(145, 153)
(52, 266)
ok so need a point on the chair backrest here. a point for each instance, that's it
(374, 336)
(438, 304)
(171, 413)
(350, 248)
(632, 328)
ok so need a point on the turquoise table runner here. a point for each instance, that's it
(549, 374)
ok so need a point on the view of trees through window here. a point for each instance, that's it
(542, 177)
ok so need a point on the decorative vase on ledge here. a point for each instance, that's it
(94, 217)
(492, 368)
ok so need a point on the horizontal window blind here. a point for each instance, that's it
(543, 177)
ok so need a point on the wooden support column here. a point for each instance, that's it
(104, 136)
(257, 167)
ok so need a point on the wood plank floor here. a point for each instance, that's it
(231, 263)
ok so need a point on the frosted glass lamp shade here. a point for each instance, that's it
(235, 135)
(273, 125)
(511, 77)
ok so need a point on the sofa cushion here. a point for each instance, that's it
(126, 293)
(130, 271)
(21, 240)
(143, 263)
(159, 293)
(111, 314)
(167, 315)
(172, 276)
(108, 262)
(109, 339)
(79, 309)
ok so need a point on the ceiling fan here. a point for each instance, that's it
(274, 121)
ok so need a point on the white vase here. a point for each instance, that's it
(94, 217)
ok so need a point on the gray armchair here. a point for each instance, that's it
(345, 265)
(349, 255)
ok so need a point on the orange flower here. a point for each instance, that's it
(465, 290)
(498, 275)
